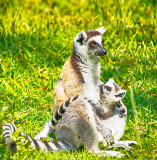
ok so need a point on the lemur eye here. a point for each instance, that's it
(108, 88)
(92, 44)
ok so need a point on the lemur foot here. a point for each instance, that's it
(124, 144)
(126, 147)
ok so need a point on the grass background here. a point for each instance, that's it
(36, 38)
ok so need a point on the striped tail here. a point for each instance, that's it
(58, 115)
(48, 146)
(8, 129)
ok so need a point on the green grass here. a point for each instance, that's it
(36, 38)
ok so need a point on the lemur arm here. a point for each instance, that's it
(106, 132)
(101, 114)
(99, 111)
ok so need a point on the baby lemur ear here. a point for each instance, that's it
(81, 38)
(101, 30)
(121, 94)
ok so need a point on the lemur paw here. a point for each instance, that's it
(132, 143)
(109, 138)
(123, 113)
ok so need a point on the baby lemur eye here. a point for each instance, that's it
(108, 88)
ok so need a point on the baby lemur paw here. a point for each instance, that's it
(123, 112)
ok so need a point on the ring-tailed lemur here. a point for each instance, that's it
(115, 113)
(111, 88)
(81, 72)
(80, 76)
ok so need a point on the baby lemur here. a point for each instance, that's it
(115, 113)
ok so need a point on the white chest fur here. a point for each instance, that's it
(91, 75)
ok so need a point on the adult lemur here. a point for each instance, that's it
(80, 75)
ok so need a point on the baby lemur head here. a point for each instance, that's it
(90, 43)
(111, 94)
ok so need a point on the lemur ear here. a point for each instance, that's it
(81, 38)
(121, 94)
(111, 80)
(101, 30)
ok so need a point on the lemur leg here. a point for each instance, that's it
(46, 131)
(81, 119)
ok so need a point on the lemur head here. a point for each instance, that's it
(111, 93)
(90, 43)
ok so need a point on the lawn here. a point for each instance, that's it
(36, 38)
